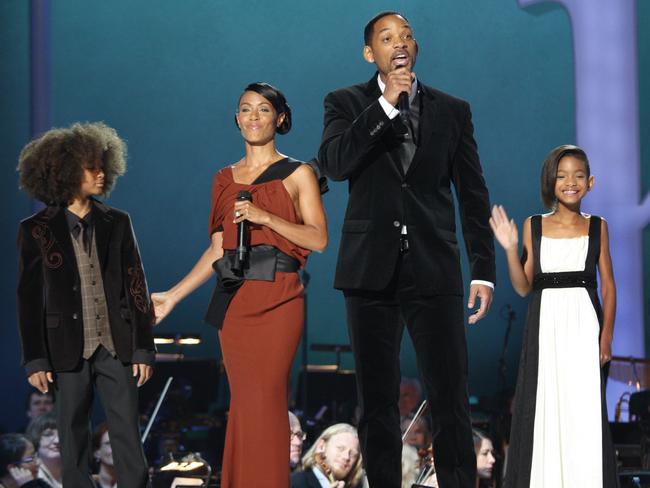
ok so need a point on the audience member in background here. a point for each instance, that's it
(296, 441)
(420, 435)
(43, 432)
(484, 459)
(333, 461)
(106, 477)
(38, 403)
(18, 463)
(410, 396)
(417, 454)
(410, 465)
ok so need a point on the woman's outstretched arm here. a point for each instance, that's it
(164, 302)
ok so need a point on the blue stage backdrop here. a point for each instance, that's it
(167, 75)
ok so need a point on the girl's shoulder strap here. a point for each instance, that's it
(536, 227)
(595, 223)
(536, 240)
(594, 238)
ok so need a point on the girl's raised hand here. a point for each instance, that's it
(505, 230)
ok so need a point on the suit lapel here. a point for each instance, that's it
(372, 88)
(103, 223)
(428, 112)
(58, 225)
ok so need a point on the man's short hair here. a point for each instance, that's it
(368, 30)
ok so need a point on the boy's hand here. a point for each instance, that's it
(40, 379)
(144, 371)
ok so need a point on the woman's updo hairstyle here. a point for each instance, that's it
(276, 98)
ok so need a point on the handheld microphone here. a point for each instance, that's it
(243, 237)
(404, 107)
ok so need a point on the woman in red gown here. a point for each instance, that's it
(260, 312)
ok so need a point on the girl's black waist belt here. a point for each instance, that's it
(567, 279)
(262, 264)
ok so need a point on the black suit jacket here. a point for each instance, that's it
(304, 479)
(356, 141)
(49, 292)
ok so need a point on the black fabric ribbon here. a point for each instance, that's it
(263, 262)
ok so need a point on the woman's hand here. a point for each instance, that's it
(21, 475)
(246, 210)
(163, 304)
(605, 348)
(505, 230)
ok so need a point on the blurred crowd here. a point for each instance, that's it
(329, 457)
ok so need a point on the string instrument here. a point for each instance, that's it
(425, 453)
(427, 467)
(320, 460)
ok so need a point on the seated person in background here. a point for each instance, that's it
(43, 432)
(333, 461)
(38, 403)
(295, 442)
(106, 477)
(484, 458)
(410, 465)
(420, 435)
(18, 463)
(410, 396)
(416, 455)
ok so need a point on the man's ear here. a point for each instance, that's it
(368, 55)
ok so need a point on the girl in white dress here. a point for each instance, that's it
(560, 436)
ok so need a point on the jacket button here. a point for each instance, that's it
(405, 185)
(75, 288)
(75, 316)
(396, 223)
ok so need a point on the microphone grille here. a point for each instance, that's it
(244, 195)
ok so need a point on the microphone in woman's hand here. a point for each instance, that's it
(243, 236)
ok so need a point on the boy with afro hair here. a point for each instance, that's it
(84, 310)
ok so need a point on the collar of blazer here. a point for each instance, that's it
(430, 108)
(54, 218)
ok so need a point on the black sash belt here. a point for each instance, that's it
(567, 279)
(263, 262)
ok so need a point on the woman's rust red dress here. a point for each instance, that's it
(259, 338)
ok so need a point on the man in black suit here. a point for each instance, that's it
(83, 306)
(399, 259)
